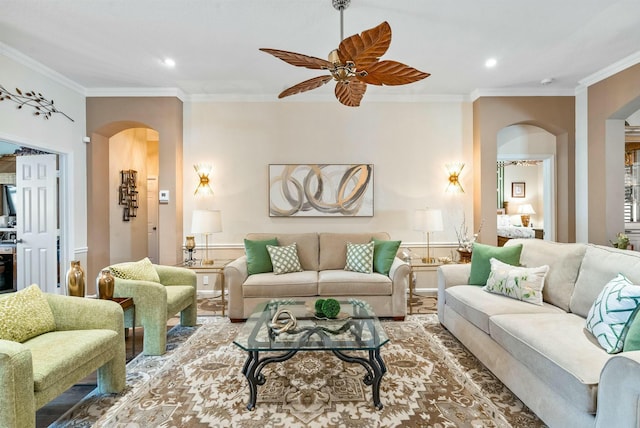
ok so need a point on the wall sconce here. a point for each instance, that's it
(454, 170)
(203, 170)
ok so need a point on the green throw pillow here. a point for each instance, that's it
(142, 270)
(481, 254)
(284, 259)
(258, 260)
(359, 257)
(25, 314)
(608, 318)
(384, 252)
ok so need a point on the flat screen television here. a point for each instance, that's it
(10, 195)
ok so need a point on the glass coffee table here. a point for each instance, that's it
(356, 329)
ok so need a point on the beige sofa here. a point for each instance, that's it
(544, 354)
(323, 258)
(89, 336)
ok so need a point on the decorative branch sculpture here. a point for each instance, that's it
(42, 106)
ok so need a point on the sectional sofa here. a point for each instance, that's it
(544, 354)
(322, 257)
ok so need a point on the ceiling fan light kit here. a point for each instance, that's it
(353, 65)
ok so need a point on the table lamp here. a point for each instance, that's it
(525, 211)
(206, 222)
(428, 221)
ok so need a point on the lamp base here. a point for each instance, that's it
(525, 220)
(206, 262)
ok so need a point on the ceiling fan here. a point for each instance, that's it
(353, 65)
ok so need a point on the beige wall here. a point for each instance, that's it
(105, 118)
(610, 100)
(554, 114)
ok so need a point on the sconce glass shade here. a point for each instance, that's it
(203, 171)
(454, 170)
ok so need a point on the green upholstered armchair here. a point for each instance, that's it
(156, 302)
(88, 335)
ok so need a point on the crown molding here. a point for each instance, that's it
(322, 98)
(522, 92)
(609, 71)
(137, 92)
(40, 68)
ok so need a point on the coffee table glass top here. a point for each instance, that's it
(357, 328)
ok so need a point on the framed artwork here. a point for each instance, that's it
(518, 189)
(321, 190)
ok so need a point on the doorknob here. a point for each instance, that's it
(155, 228)
(17, 241)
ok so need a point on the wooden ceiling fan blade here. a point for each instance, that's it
(350, 93)
(391, 73)
(366, 48)
(307, 85)
(299, 60)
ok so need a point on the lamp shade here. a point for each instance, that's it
(206, 221)
(429, 220)
(526, 209)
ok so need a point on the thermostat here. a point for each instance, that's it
(163, 197)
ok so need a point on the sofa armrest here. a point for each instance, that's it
(399, 274)
(176, 275)
(235, 274)
(619, 391)
(17, 402)
(74, 313)
(449, 276)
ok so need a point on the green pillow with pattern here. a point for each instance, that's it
(142, 270)
(284, 259)
(360, 257)
(25, 314)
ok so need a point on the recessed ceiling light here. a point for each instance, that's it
(169, 62)
(490, 63)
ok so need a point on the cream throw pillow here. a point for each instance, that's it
(360, 257)
(142, 270)
(25, 314)
(517, 282)
(284, 259)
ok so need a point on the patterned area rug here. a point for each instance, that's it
(432, 381)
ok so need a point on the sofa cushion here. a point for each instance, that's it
(57, 354)
(306, 244)
(345, 283)
(284, 259)
(608, 317)
(517, 282)
(599, 266)
(141, 270)
(384, 252)
(25, 314)
(564, 263)
(359, 257)
(480, 265)
(477, 306)
(295, 284)
(258, 260)
(333, 247)
(556, 347)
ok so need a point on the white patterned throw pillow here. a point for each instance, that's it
(517, 282)
(613, 308)
(360, 257)
(284, 259)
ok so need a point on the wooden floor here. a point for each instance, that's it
(206, 307)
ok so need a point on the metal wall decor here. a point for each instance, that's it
(36, 100)
(321, 190)
(128, 195)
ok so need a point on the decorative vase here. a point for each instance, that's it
(465, 256)
(75, 279)
(105, 284)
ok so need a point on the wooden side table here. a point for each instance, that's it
(217, 268)
(126, 303)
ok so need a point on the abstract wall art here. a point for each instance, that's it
(321, 190)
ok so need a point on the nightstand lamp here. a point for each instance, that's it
(428, 221)
(525, 211)
(206, 222)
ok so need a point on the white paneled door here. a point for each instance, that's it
(37, 220)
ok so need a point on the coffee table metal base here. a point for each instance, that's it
(374, 366)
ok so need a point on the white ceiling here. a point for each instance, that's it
(116, 46)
